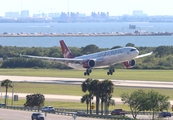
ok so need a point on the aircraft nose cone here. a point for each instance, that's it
(137, 52)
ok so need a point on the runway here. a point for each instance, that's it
(120, 83)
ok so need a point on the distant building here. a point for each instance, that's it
(82, 15)
(53, 15)
(93, 14)
(64, 15)
(99, 15)
(43, 15)
(24, 13)
(107, 14)
(12, 14)
(138, 13)
(37, 16)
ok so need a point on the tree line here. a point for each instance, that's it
(160, 59)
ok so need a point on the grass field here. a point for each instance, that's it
(61, 89)
(68, 105)
(70, 90)
(120, 74)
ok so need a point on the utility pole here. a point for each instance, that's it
(1, 93)
(12, 95)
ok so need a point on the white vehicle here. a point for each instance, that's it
(37, 116)
(125, 55)
(48, 109)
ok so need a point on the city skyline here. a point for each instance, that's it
(114, 7)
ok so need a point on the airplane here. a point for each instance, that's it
(108, 58)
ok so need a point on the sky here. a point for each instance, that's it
(114, 7)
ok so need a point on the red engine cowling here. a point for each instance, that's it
(129, 64)
(89, 64)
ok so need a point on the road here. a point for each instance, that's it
(6, 114)
(61, 98)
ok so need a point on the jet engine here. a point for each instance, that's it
(129, 64)
(89, 64)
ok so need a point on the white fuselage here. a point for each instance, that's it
(107, 58)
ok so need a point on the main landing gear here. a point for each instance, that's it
(111, 71)
(88, 71)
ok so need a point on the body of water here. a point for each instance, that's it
(102, 42)
(84, 27)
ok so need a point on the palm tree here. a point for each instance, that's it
(101, 94)
(6, 83)
(106, 88)
(86, 87)
(86, 98)
(95, 91)
(109, 102)
(85, 84)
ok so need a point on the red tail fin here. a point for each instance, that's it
(65, 50)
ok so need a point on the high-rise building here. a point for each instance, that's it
(24, 13)
(12, 14)
(138, 13)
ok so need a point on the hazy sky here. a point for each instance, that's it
(114, 7)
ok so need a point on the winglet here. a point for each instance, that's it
(65, 50)
(143, 55)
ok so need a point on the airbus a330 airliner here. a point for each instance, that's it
(125, 55)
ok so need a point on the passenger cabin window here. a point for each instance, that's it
(132, 49)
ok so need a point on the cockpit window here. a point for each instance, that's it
(132, 49)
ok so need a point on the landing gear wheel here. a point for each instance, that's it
(111, 71)
(88, 71)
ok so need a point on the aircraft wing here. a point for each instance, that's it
(143, 55)
(72, 60)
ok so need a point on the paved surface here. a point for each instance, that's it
(6, 114)
(124, 83)
(50, 97)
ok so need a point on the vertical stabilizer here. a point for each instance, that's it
(65, 50)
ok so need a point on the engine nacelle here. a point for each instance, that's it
(129, 64)
(89, 64)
